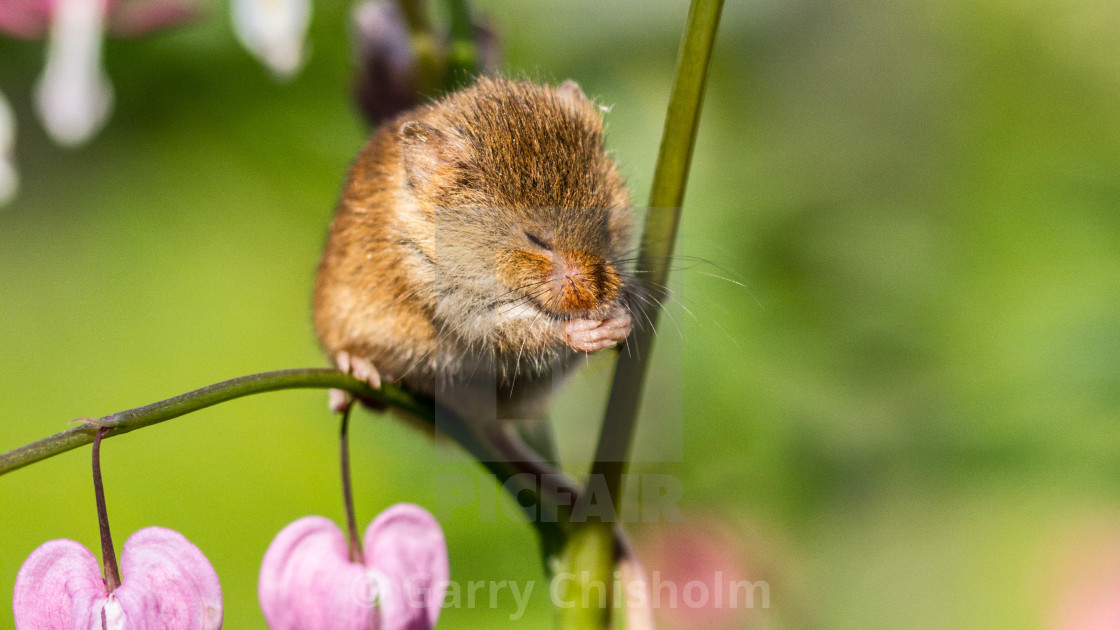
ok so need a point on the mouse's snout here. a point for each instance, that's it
(561, 282)
(581, 282)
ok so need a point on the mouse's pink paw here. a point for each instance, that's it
(592, 335)
(361, 369)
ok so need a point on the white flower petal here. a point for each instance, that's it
(274, 31)
(74, 96)
(114, 614)
(9, 179)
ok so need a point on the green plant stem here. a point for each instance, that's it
(658, 238)
(654, 258)
(489, 454)
(140, 417)
(389, 395)
(584, 581)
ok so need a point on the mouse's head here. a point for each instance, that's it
(528, 208)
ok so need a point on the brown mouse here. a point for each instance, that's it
(476, 250)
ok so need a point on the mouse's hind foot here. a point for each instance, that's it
(361, 369)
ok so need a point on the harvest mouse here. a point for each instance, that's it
(477, 249)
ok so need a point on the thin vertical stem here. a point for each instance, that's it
(593, 543)
(108, 553)
(355, 543)
(669, 181)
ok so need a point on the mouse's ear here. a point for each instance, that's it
(425, 152)
(571, 91)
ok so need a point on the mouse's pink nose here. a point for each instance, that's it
(581, 282)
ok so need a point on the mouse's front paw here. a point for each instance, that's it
(592, 335)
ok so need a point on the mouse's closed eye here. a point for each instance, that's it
(537, 241)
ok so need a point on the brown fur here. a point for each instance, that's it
(468, 231)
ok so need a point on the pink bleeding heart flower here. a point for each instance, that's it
(74, 96)
(308, 582)
(167, 583)
(31, 19)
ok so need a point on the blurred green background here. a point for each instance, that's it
(909, 418)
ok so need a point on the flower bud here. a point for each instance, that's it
(386, 82)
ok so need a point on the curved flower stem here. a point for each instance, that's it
(108, 553)
(483, 448)
(355, 543)
(132, 419)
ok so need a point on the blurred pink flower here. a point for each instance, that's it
(30, 19)
(25, 18)
(1087, 582)
(696, 571)
(166, 583)
(308, 582)
(73, 96)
